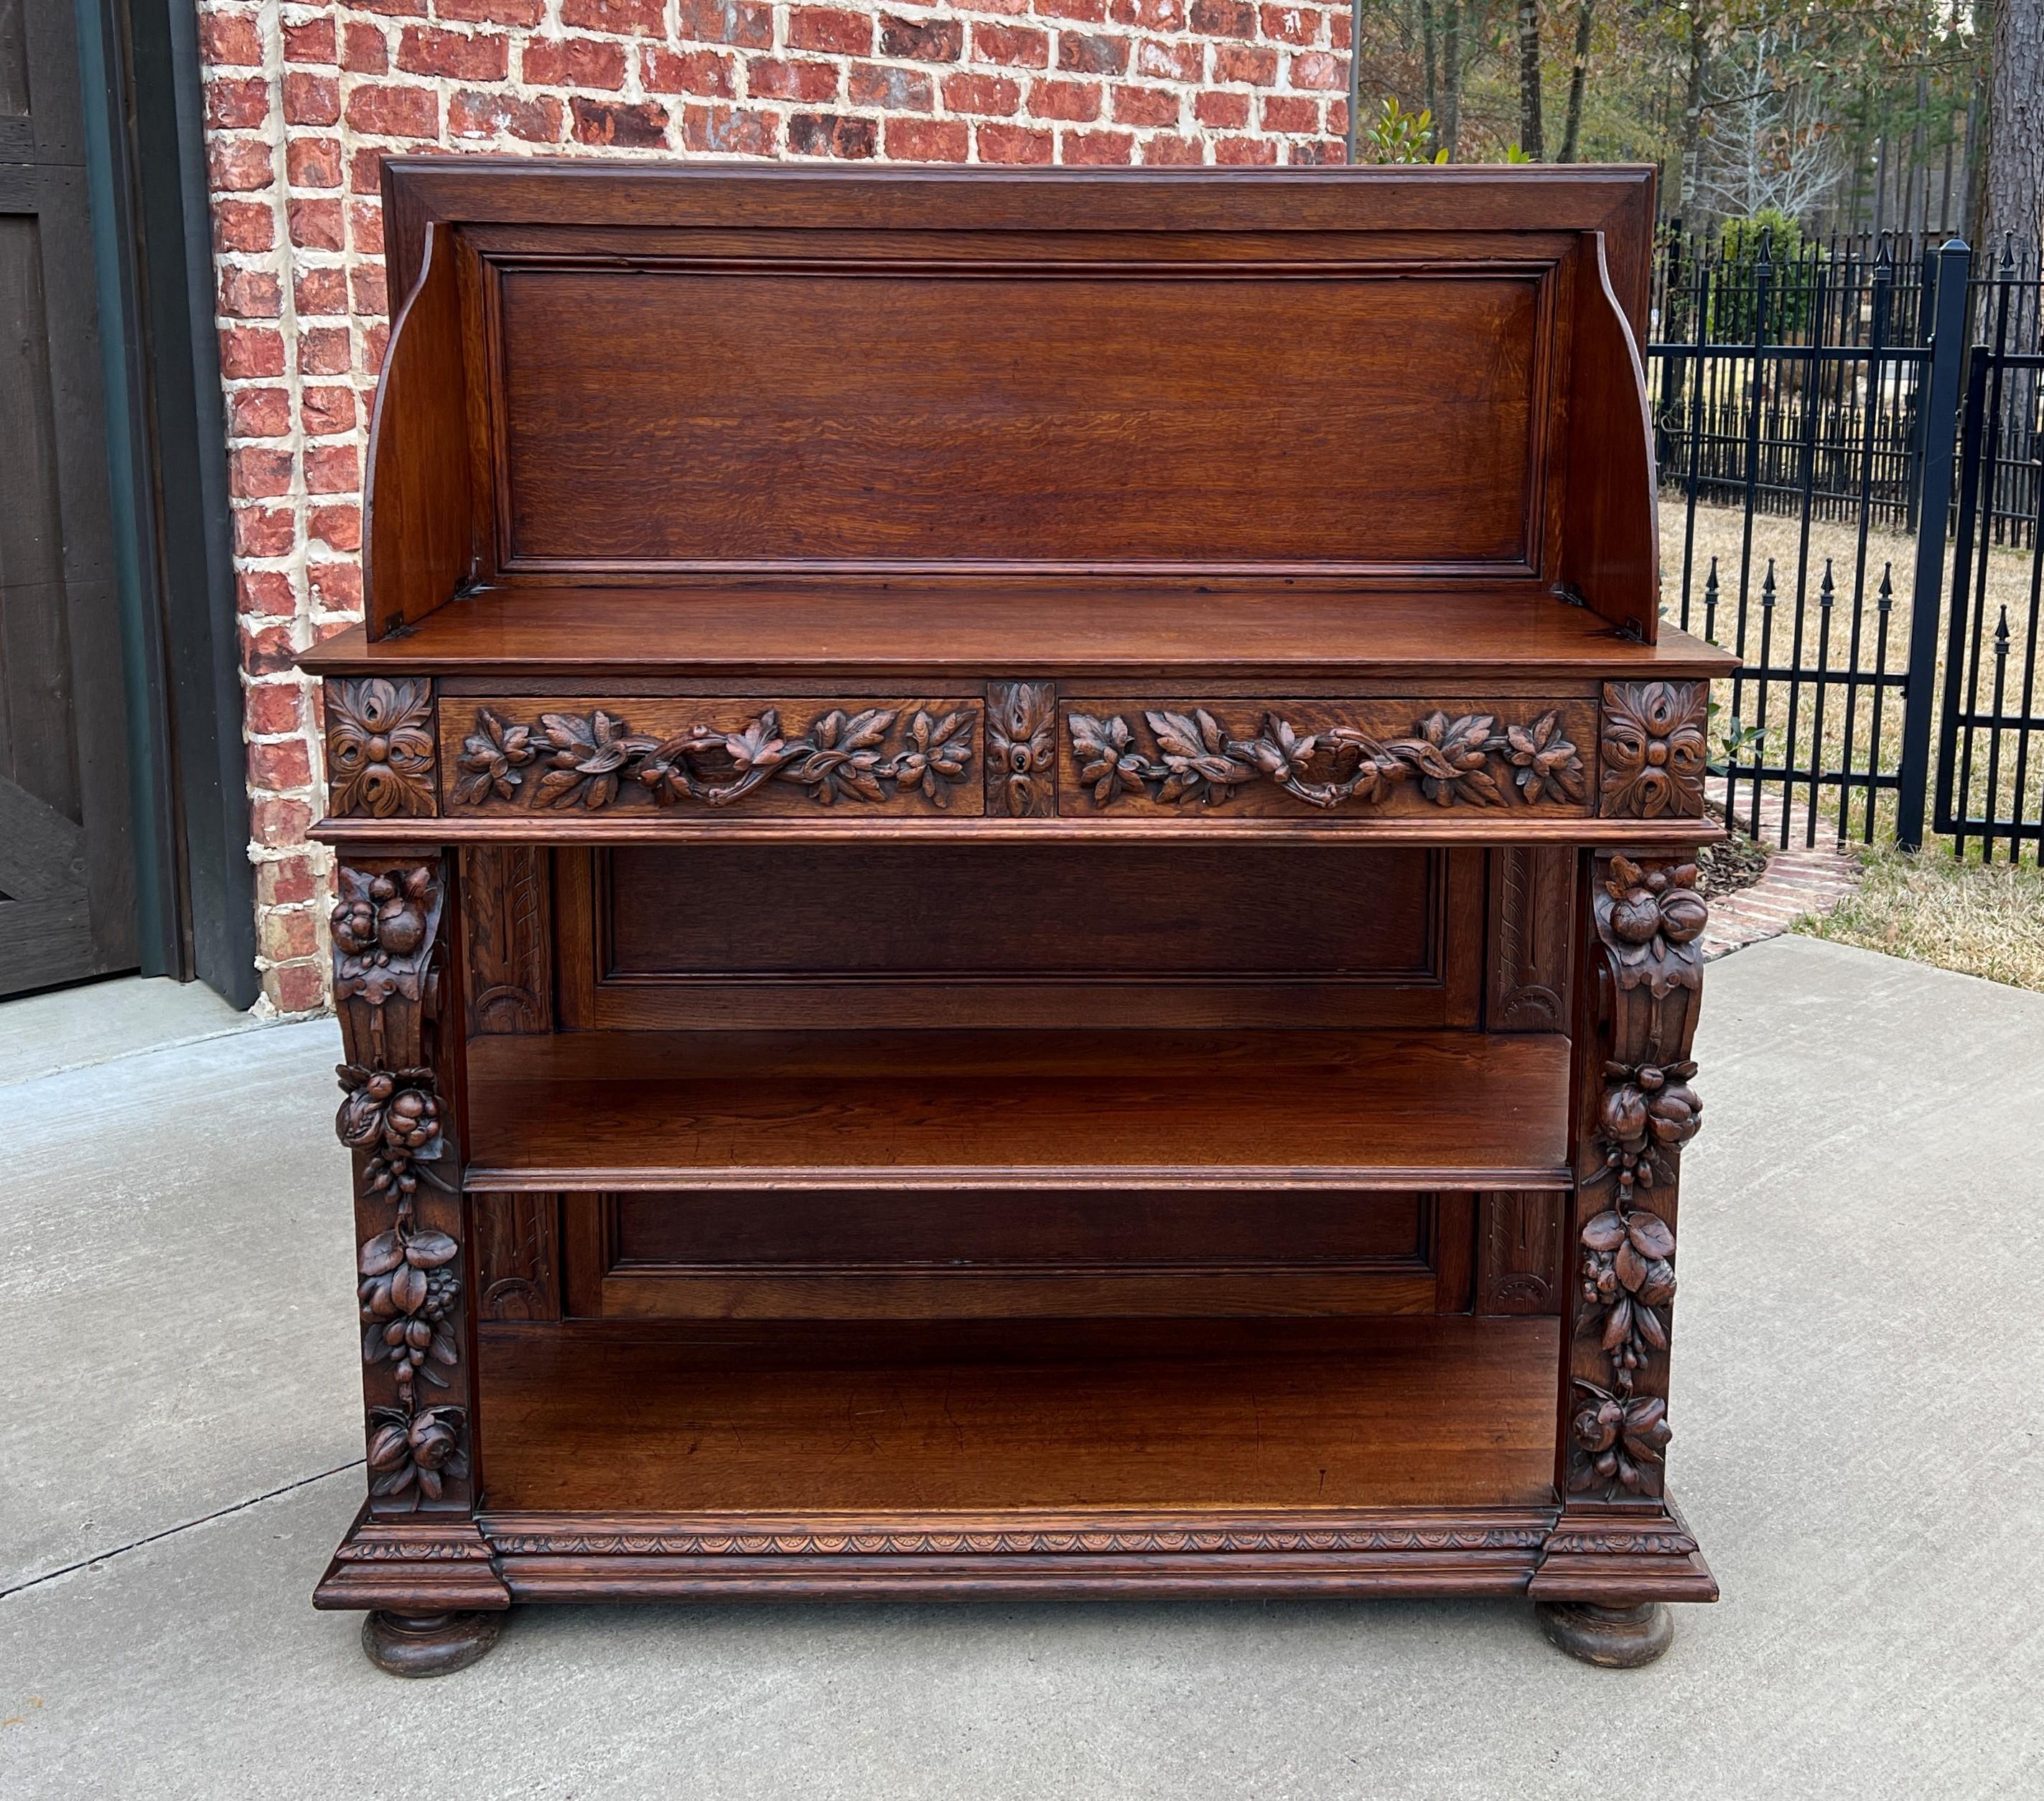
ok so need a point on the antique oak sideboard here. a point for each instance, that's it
(1016, 909)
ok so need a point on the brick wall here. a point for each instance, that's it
(303, 100)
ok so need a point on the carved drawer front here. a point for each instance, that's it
(1367, 758)
(525, 754)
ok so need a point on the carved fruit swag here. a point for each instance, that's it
(1619, 1442)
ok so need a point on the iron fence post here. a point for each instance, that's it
(1940, 438)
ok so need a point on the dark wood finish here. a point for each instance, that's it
(430, 1644)
(67, 868)
(1070, 908)
(1015, 1111)
(1613, 1638)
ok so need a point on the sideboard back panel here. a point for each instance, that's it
(1149, 413)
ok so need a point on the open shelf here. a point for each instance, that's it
(803, 1417)
(1018, 1111)
(709, 631)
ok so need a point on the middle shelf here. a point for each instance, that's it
(971, 1109)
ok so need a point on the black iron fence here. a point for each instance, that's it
(1829, 424)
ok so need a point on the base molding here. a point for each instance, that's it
(418, 1566)
(1618, 1557)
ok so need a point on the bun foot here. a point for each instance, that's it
(428, 1643)
(1615, 1638)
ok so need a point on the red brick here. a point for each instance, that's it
(572, 61)
(325, 351)
(312, 162)
(622, 18)
(827, 28)
(251, 350)
(274, 821)
(1341, 29)
(311, 42)
(1224, 18)
(1014, 143)
(1017, 46)
(1094, 147)
(230, 39)
(331, 468)
(1078, 100)
(318, 292)
(276, 707)
(395, 112)
(643, 127)
(525, 13)
(286, 763)
(1238, 62)
(770, 79)
(338, 528)
(316, 225)
(364, 49)
(1088, 53)
(289, 881)
(1158, 15)
(995, 94)
(928, 141)
(1090, 12)
(1338, 116)
(829, 134)
(1291, 111)
(259, 475)
(369, 289)
(251, 294)
(1245, 150)
(538, 120)
(1173, 150)
(258, 411)
(457, 55)
(239, 165)
(311, 100)
(893, 90)
(335, 587)
(745, 23)
(1319, 69)
(407, 9)
(375, 340)
(1146, 106)
(365, 171)
(1171, 62)
(1291, 25)
(921, 40)
(264, 594)
(296, 987)
(690, 71)
(240, 105)
(1224, 112)
(1325, 150)
(264, 531)
(728, 131)
(324, 411)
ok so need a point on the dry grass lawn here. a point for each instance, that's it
(1983, 920)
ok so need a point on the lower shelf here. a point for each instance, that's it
(798, 1418)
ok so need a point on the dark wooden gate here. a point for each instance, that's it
(67, 874)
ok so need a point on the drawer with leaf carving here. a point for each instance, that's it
(527, 754)
(1366, 757)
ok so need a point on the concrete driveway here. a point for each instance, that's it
(1860, 1360)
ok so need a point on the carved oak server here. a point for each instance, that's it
(1017, 903)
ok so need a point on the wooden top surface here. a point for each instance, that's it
(979, 630)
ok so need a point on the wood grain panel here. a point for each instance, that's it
(1109, 1414)
(1139, 415)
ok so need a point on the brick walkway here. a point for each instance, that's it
(1797, 881)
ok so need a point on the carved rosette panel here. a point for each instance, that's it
(379, 748)
(390, 974)
(1022, 749)
(1652, 749)
(1379, 756)
(1648, 921)
(906, 756)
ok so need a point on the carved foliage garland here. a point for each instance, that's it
(1022, 749)
(386, 929)
(584, 759)
(1653, 752)
(1649, 923)
(379, 746)
(1469, 760)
